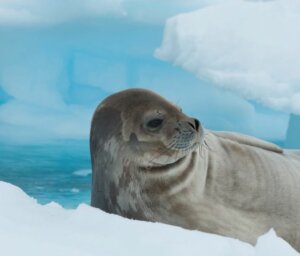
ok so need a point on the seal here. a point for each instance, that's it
(152, 162)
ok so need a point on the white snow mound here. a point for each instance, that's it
(251, 47)
(29, 229)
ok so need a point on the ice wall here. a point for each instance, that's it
(53, 74)
(51, 12)
(293, 133)
(52, 78)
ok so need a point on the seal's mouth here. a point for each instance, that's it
(162, 168)
(180, 156)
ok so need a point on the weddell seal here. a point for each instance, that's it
(152, 162)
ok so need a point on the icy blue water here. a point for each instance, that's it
(48, 173)
(60, 172)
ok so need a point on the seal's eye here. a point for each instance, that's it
(154, 123)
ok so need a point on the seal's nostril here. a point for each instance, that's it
(197, 124)
(192, 125)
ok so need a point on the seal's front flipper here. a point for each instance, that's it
(248, 140)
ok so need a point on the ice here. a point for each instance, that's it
(75, 190)
(293, 132)
(157, 11)
(249, 47)
(52, 230)
(49, 12)
(215, 108)
(83, 172)
(53, 75)
(100, 71)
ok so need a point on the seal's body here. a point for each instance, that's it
(152, 162)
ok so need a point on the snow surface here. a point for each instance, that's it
(29, 229)
(251, 47)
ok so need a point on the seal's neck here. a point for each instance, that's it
(163, 167)
(172, 178)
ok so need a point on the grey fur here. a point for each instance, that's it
(218, 182)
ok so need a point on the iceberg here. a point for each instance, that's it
(47, 12)
(54, 72)
(251, 48)
(293, 133)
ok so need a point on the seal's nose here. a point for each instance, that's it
(194, 123)
(197, 124)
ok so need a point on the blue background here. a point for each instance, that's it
(52, 78)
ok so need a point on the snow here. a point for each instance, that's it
(29, 229)
(249, 47)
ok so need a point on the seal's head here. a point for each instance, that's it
(135, 136)
(148, 129)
